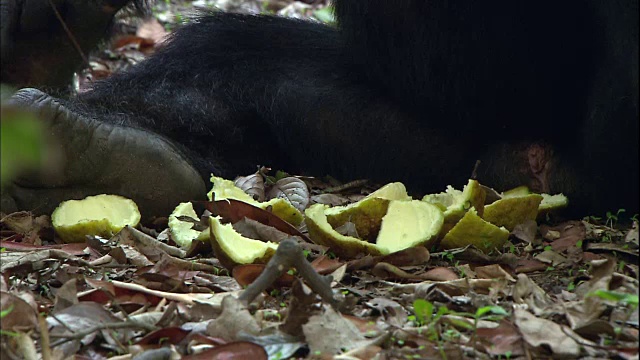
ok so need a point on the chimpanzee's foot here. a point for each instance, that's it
(92, 157)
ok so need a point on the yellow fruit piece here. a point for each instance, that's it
(233, 249)
(473, 230)
(367, 213)
(408, 224)
(518, 191)
(391, 191)
(456, 203)
(549, 202)
(553, 202)
(99, 215)
(282, 208)
(321, 232)
(511, 211)
(182, 232)
(405, 224)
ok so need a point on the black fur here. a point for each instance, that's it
(38, 51)
(269, 90)
(406, 90)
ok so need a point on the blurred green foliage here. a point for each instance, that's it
(21, 139)
(325, 15)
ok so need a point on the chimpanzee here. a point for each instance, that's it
(543, 93)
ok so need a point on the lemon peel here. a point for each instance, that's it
(553, 202)
(408, 224)
(100, 215)
(456, 203)
(282, 208)
(514, 210)
(233, 249)
(367, 213)
(549, 202)
(391, 191)
(321, 232)
(473, 230)
(182, 232)
(405, 224)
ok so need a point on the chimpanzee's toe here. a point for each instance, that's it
(88, 157)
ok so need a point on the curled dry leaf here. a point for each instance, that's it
(539, 332)
(252, 185)
(292, 189)
(226, 190)
(20, 315)
(235, 318)
(440, 274)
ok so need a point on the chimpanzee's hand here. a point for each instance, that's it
(93, 157)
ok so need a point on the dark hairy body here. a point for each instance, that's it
(542, 93)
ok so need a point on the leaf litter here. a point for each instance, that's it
(563, 291)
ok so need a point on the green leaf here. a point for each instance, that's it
(616, 296)
(423, 310)
(497, 310)
(442, 310)
(21, 137)
(460, 323)
(6, 311)
(325, 15)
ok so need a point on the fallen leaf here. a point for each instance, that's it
(330, 333)
(538, 332)
(240, 350)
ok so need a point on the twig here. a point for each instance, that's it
(106, 326)
(288, 255)
(69, 33)
(45, 345)
(150, 241)
(343, 187)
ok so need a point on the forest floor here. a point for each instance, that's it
(554, 289)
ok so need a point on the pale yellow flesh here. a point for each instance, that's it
(511, 211)
(118, 210)
(455, 203)
(473, 230)
(238, 248)
(408, 224)
(100, 215)
(323, 233)
(282, 208)
(182, 232)
(391, 191)
(405, 224)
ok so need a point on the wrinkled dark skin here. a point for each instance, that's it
(542, 93)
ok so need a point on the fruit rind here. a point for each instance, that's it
(409, 223)
(473, 230)
(233, 249)
(182, 232)
(514, 210)
(553, 202)
(282, 208)
(100, 215)
(457, 202)
(366, 215)
(404, 224)
(321, 232)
